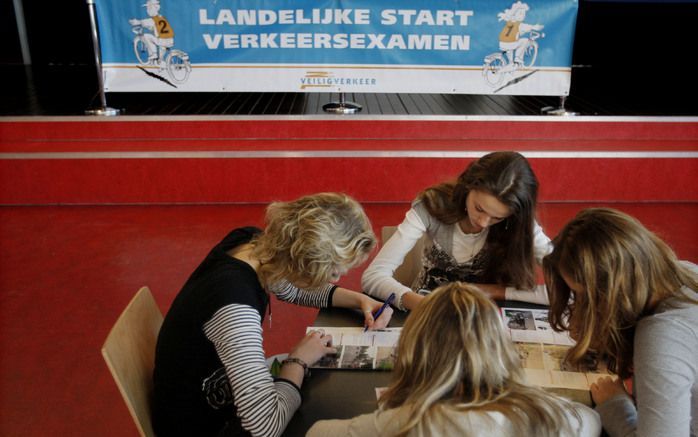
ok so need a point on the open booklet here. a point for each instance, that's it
(541, 349)
(356, 349)
(542, 353)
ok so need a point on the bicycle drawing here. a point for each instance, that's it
(497, 66)
(174, 61)
(153, 44)
(516, 52)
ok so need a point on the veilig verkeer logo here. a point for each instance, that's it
(327, 79)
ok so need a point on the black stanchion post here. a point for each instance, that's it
(104, 109)
(342, 107)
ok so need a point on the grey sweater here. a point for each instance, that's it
(665, 379)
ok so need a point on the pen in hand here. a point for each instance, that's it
(387, 302)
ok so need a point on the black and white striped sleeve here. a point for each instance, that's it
(320, 297)
(264, 406)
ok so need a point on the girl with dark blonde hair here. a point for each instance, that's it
(480, 228)
(621, 291)
(457, 374)
(210, 376)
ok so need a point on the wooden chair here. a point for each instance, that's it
(130, 355)
(412, 264)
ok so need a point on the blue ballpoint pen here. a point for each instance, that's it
(387, 302)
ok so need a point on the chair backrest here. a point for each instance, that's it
(412, 264)
(130, 355)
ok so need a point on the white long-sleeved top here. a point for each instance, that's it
(378, 280)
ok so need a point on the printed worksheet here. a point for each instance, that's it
(356, 349)
(532, 326)
(545, 366)
(542, 352)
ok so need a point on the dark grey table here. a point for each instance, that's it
(342, 394)
(339, 394)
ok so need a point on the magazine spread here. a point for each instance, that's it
(543, 351)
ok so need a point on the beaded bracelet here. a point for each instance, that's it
(306, 371)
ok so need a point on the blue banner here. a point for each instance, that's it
(440, 46)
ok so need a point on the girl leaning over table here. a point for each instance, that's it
(210, 376)
(621, 291)
(480, 228)
(457, 374)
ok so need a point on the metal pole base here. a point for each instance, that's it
(560, 111)
(107, 112)
(341, 107)
(551, 110)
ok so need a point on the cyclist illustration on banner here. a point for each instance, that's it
(154, 47)
(517, 53)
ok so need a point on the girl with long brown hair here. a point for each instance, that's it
(621, 291)
(480, 228)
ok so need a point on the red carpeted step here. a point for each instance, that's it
(232, 160)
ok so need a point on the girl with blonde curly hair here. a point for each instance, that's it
(457, 373)
(621, 291)
(210, 372)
